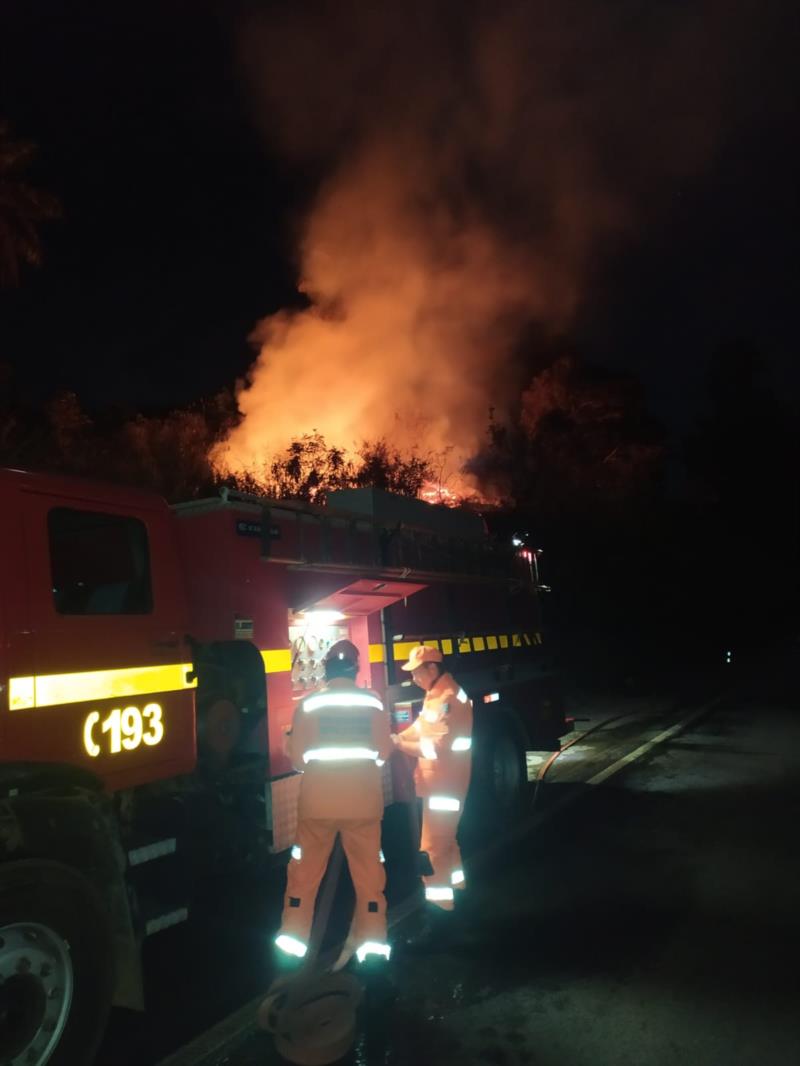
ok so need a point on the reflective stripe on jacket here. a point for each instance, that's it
(441, 740)
(340, 738)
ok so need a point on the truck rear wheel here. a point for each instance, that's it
(500, 781)
(55, 966)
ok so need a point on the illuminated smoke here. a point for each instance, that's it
(476, 160)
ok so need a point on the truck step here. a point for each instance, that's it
(165, 921)
(158, 916)
(148, 851)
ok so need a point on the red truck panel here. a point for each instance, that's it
(106, 692)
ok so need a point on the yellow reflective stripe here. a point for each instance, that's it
(277, 660)
(21, 693)
(464, 645)
(53, 690)
(49, 690)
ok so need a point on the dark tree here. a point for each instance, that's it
(23, 209)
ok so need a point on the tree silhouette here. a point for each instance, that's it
(582, 440)
(22, 209)
(309, 468)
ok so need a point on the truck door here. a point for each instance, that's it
(109, 689)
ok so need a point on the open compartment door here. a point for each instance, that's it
(364, 597)
(355, 610)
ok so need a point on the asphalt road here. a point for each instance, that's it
(655, 922)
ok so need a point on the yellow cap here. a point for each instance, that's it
(422, 654)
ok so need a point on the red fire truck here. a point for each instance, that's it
(150, 658)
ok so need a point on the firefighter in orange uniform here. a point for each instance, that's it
(441, 739)
(339, 738)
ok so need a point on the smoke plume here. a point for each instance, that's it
(477, 160)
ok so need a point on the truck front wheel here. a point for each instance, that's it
(55, 966)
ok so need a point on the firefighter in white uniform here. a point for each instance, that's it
(340, 737)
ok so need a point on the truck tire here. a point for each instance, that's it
(56, 970)
(501, 777)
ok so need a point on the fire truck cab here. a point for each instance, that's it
(150, 660)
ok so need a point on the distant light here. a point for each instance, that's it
(491, 697)
(516, 542)
(728, 656)
(322, 618)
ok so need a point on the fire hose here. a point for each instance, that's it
(312, 1016)
(312, 1013)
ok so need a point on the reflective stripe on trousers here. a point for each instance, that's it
(361, 841)
(439, 828)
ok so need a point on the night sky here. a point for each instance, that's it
(179, 215)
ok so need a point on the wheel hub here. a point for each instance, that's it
(36, 985)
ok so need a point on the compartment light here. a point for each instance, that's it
(322, 618)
